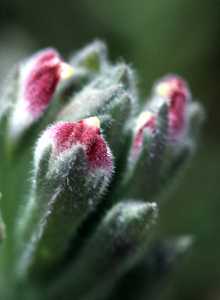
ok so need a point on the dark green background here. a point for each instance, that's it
(157, 37)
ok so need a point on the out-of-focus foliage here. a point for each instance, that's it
(159, 37)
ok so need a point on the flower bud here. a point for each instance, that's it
(177, 95)
(146, 156)
(145, 120)
(38, 80)
(63, 136)
(73, 166)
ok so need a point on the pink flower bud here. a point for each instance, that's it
(38, 81)
(64, 136)
(145, 120)
(177, 95)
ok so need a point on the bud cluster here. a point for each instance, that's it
(101, 162)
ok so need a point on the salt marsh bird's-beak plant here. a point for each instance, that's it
(84, 167)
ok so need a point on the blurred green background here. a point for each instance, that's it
(157, 37)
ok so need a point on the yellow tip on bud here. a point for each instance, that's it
(93, 121)
(66, 71)
(162, 89)
(143, 117)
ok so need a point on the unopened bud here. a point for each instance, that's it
(177, 95)
(38, 81)
(73, 165)
(146, 120)
(64, 136)
(146, 156)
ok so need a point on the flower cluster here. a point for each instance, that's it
(99, 173)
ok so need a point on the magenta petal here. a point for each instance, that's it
(40, 82)
(39, 77)
(146, 120)
(177, 96)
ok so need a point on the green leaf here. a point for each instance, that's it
(114, 130)
(88, 103)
